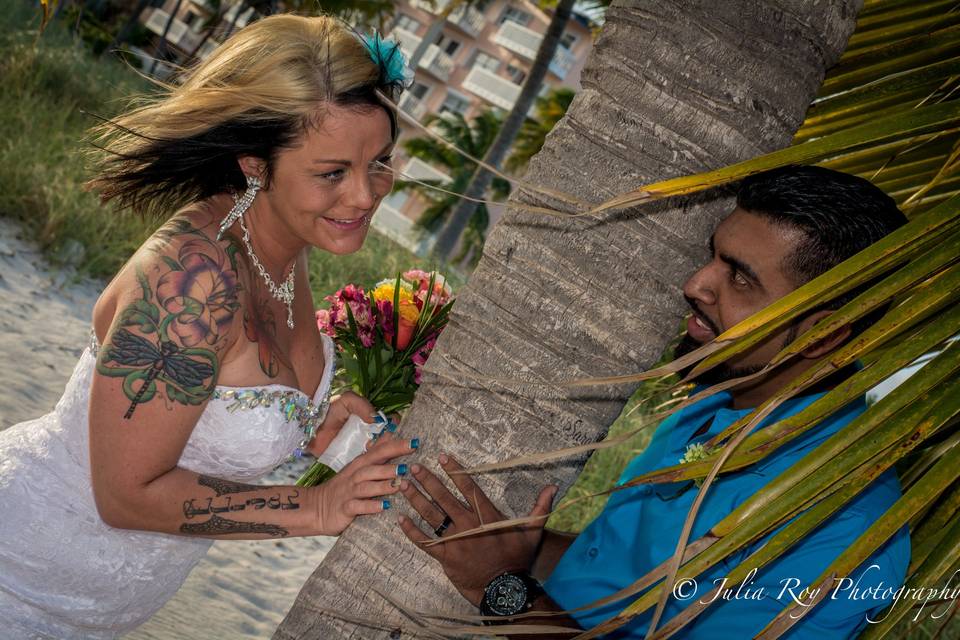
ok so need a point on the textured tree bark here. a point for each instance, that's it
(672, 88)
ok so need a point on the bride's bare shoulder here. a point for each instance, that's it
(184, 271)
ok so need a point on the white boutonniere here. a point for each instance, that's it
(695, 453)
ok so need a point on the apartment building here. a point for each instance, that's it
(479, 60)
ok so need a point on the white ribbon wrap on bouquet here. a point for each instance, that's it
(350, 442)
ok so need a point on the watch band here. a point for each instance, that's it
(509, 594)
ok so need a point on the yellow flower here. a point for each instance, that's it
(385, 291)
(408, 309)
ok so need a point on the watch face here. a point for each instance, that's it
(507, 595)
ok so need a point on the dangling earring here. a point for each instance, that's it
(241, 205)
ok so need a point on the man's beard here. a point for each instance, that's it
(723, 371)
(719, 373)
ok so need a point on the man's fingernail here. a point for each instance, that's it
(401, 519)
(416, 469)
(415, 443)
(404, 485)
(443, 458)
(385, 504)
(401, 469)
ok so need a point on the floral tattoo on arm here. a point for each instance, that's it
(180, 323)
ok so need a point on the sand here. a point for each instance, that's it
(242, 589)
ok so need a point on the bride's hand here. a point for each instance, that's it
(361, 486)
(340, 408)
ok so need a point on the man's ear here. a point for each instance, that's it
(825, 345)
(252, 166)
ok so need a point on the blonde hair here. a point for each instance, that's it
(255, 95)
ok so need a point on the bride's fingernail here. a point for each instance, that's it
(392, 427)
(385, 504)
(401, 469)
(415, 443)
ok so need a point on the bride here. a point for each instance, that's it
(205, 369)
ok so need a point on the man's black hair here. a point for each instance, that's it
(839, 215)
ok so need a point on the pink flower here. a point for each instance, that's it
(420, 357)
(385, 318)
(353, 297)
(324, 323)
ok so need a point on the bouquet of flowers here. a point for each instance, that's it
(383, 338)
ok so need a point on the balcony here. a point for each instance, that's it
(526, 42)
(242, 20)
(179, 31)
(411, 105)
(417, 169)
(408, 41)
(396, 226)
(468, 20)
(492, 88)
(519, 39)
(563, 60)
(437, 63)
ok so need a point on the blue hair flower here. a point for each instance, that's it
(387, 55)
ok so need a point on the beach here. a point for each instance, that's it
(242, 589)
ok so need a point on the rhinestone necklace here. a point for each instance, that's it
(283, 293)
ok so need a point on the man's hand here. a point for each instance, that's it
(471, 562)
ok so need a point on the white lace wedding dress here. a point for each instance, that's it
(64, 573)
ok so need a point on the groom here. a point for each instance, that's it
(789, 226)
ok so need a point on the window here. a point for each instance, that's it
(454, 103)
(481, 6)
(194, 21)
(406, 23)
(447, 44)
(567, 41)
(486, 61)
(517, 75)
(515, 15)
(419, 90)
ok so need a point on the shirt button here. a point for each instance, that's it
(593, 552)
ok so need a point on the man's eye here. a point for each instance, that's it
(738, 278)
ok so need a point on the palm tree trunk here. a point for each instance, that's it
(161, 48)
(671, 88)
(448, 237)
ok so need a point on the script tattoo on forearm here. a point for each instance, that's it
(223, 487)
(217, 526)
(208, 507)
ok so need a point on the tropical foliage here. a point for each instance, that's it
(474, 138)
(548, 110)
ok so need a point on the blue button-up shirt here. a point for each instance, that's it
(639, 528)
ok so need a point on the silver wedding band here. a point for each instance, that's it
(443, 525)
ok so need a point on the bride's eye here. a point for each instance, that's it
(332, 176)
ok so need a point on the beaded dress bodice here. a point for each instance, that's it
(64, 573)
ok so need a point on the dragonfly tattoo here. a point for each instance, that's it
(133, 351)
(171, 335)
